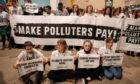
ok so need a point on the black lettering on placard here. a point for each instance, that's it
(133, 34)
(71, 31)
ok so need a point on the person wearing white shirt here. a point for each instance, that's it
(30, 54)
(89, 11)
(15, 10)
(60, 75)
(110, 71)
(90, 73)
(75, 10)
(108, 12)
(47, 11)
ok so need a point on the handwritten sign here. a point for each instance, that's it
(31, 8)
(88, 61)
(113, 59)
(62, 62)
(30, 66)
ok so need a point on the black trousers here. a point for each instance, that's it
(4, 39)
(38, 77)
(60, 75)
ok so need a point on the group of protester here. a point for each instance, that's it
(31, 53)
(86, 74)
(5, 12)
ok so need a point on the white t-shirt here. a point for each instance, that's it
(45, 14)
(73, 14)
(24, 56)
(104, 50)
(4, 18)
(15, 11)
(83, 52)
(56, 53)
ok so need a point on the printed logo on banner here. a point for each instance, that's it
(81, 31)
(113, 59)
(88, 61)
(62, 62)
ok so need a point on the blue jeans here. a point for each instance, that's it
(111, 72)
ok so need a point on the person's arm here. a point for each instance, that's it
(16, 65)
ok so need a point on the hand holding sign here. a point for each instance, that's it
(88, 61)
(66, 62)
(113, 59)
(30, 66)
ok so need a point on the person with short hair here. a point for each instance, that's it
(30, 54)
(91, 73)
(61, 11)
(75, 10)
(48, 11)
(110, 71)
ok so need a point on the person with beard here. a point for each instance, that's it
(91, 73)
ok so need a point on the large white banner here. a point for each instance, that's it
(30, 66)
(113, 59)
(88, 61)
(46, 30)
(130, 39)
(62, 62)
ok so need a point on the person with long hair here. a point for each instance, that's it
(75, 10)
(60, 75)
(89, 11)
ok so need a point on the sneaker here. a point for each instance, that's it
(88, 78)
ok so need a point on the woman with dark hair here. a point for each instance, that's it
(5, 29)
(137, 15)
(108, 12)
(89, 11)
(75, 10)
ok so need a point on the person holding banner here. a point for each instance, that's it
(110, 71)
(61, 10)
(108, 12)
(48, 11)
(87, 74)
(60, 74)
(89, 11)
(30, 54)
(14, 9)
(75, 10)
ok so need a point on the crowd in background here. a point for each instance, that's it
(5, 12)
